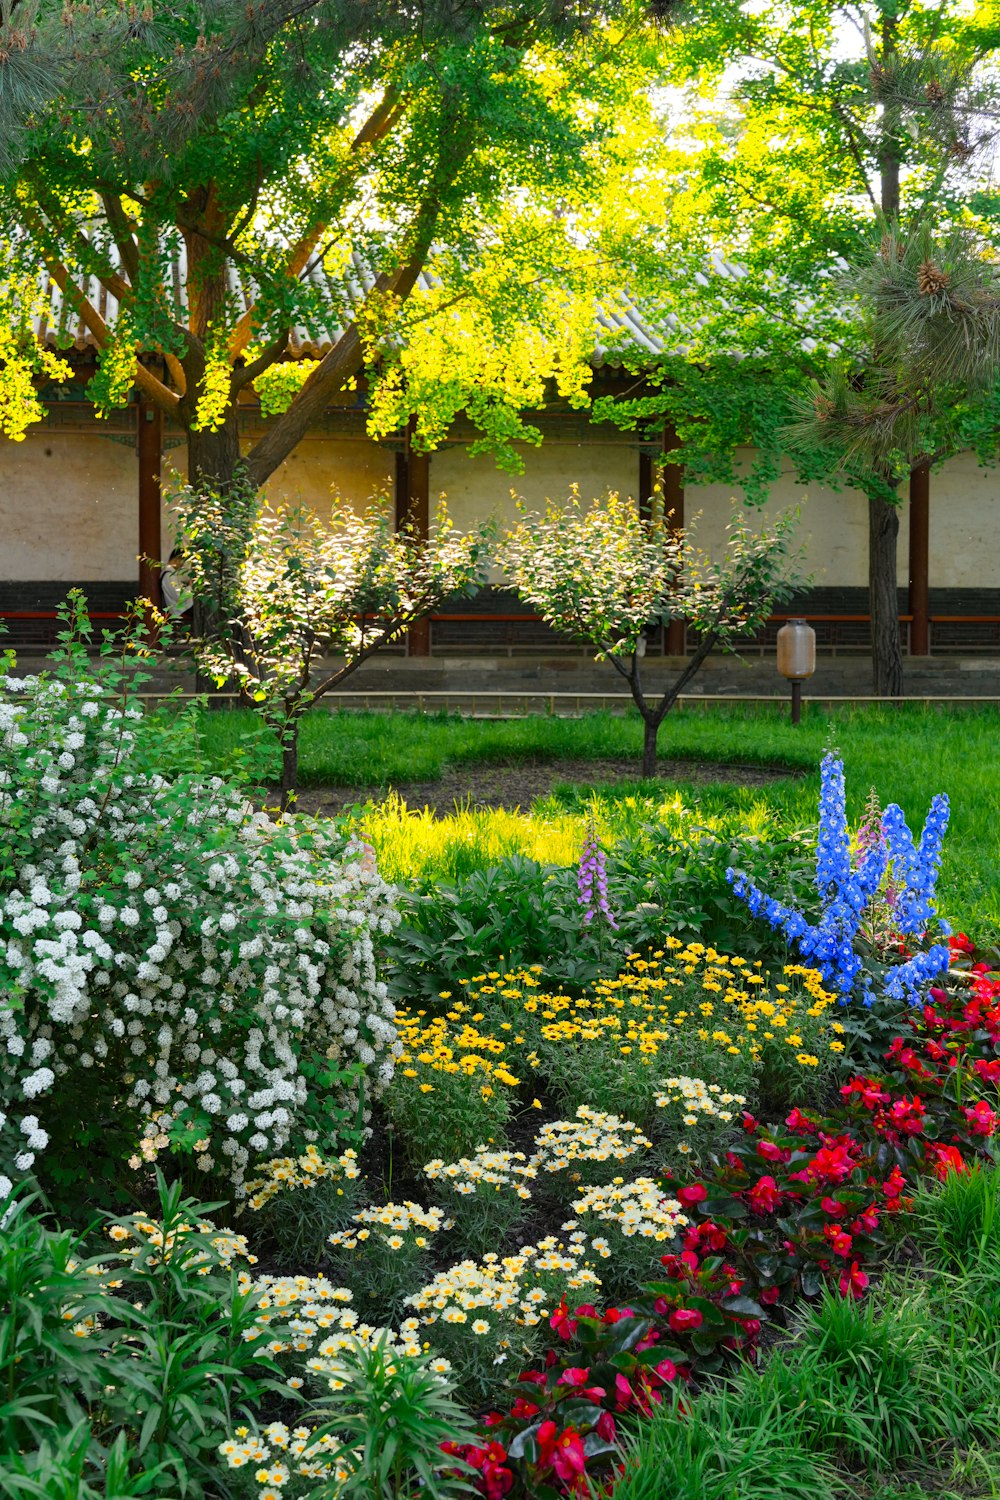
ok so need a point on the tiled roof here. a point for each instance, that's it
(615, 331)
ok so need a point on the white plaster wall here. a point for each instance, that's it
(475, 488)
(833, 528)
(964, 525)
(357, 469)
(69, 502)
(68, 508)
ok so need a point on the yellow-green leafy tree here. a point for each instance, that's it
(452, 186)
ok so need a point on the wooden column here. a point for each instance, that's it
(919, 590)
(673, 510)
(149, 448)
(412, 496)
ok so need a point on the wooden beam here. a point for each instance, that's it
(149, 447)
(401, 488)
(919, 590)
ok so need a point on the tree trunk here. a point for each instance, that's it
(289, 766)
(214, 457)
(887, 651)
(650, 731)
(214, 464)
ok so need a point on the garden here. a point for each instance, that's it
(408, 1107)
(638, 1141)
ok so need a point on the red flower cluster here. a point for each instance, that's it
(494, 1478)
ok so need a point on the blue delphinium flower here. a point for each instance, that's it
(846, 891)
(916, 867)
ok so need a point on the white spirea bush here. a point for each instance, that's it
(176, 971)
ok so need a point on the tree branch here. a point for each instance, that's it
(118, 224)
(269, 356)
(91, 318)
(378, 125)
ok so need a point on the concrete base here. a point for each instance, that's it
(537, 678)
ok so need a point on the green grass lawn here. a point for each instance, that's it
(908, 754)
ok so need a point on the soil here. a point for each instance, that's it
(513, 784)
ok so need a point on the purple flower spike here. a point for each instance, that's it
(592, 880)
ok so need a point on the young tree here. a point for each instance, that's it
(601, 572)
(200, 181)
(292, 591)
(821, 127)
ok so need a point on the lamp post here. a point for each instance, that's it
(796, 659)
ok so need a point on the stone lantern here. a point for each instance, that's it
(796, 659)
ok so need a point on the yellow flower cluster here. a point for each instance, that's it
(769, 1020)
(288, 1172)
(727, 1000)
(564, 1145)
(391, 1224)
(636, 1208)
(200, 1244)
(486, 1171)
(450, 1045)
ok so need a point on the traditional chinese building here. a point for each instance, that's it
(81, 504)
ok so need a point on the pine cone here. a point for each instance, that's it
(931, 281)
(823, 407)
(878, 78)
(934, 93)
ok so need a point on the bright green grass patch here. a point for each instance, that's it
(908, 754)
(412, 844)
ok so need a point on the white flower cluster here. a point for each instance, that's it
(199, 1244)
(392, 1224)
(310, 1317)
(636, 1208)
(280, 1457)
(592, 1138)
(500, 1293)
(697, 1102)
(168, 955)
(286, 1173)
(484, 1173)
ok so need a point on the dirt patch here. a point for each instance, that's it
(514, 784)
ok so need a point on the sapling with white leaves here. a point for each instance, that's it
(296, 603)
(602, 572)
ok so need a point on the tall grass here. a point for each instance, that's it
(412, 844)
(901, 1388)
(907, 753)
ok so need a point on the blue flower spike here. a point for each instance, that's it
(847, 891)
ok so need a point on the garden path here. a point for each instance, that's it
(514, 784)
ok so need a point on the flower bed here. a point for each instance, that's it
(568, 1205)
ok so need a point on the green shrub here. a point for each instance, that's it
(129, 1364)
(391, 1413)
